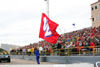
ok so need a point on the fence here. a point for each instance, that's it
(74, 51)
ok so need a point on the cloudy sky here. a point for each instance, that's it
(20, 19)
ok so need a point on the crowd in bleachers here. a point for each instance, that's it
(78, 40)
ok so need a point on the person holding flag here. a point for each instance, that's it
(36, 52)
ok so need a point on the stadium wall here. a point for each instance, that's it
(61, 59)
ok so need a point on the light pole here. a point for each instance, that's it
(47, 7)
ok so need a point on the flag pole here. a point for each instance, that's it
(47, 7)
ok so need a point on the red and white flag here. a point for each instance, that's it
(48, 30)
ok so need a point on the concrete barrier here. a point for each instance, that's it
(62, 59)
(42, 58)
(17, 56)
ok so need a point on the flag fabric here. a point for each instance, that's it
(48, 30)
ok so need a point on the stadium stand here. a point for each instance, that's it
(80, 42)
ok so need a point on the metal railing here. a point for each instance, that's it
(73, 51)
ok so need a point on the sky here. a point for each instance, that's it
(20, 19)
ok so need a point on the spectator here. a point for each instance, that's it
(24, 51)
(29, 51)
(59, 45)
(32, 50)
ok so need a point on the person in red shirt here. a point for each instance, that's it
(92, 45)
(77, 45)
